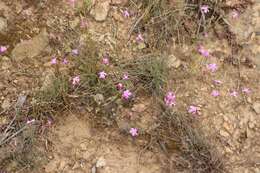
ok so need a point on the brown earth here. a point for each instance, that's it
(37, 31)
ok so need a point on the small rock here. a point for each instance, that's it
(119, 2)
(3, 120)
(6, 63)
(223, 133)
(228, 127)
(173, 62)
(141, 46)
(256, 170)
(101, 162)
(99, 98)
(251, 125)
(3, 25)
(76, 166)
(228, 150)
(249, 100)
(83, 146)
(6, 104)
(31, 48)
(93, 169)
(100, 11)
(256, 107)
(48, 79)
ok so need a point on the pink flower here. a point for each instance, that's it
(83, 23)
(204, 9)
(119, 86)
(54, 60)
(217, 82)
(72, 2)
(203, 51)
(170, 99)
(126, 94)
(30, 121)
(215, 93)
(65, 61)
(105, 61)
(3, 49)
(233, 94)
(234, 14)
(193, 110)
(246, 90)
(212, 67)
(133, 132)
(76, 80)
(125, 76)
(49, 122)
(75, 51)
(126, 13)
(139, 38)
(102, 75)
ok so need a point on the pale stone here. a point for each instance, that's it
(100, 11)
(31, 48)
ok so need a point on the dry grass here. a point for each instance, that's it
(181, 21)
(18, 140)
(177, 136)
(148, 72)
(52, 99)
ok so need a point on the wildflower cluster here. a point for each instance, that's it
(170, 99)
(123, 89)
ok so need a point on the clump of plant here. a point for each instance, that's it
(177, 134)
(164, 20)
(150, 72)
(25, 154)
(51, 99)
(18, 139)
(102, 88)
(105, 88)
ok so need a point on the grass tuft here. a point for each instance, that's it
(52, 99)
(181, 21)
(176, 134)
(149, 71)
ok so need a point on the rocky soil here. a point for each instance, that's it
(34, 32)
